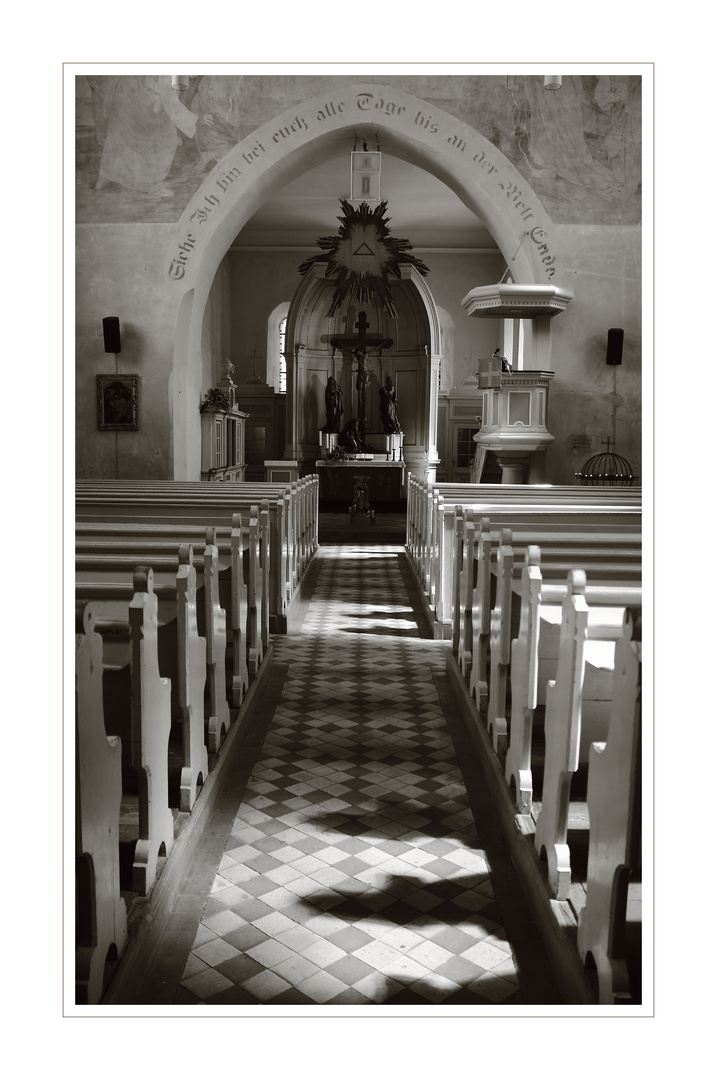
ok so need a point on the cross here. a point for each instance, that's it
(366, 343)
(254, 357)
(362, 326)
(607, 444)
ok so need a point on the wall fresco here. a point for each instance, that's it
(143, 149)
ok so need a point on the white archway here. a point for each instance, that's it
(300, 139)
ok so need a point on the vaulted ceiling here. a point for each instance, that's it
(421, 209)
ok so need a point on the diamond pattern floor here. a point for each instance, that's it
(352, 874)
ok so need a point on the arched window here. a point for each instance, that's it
(275, 347)
(282, 359)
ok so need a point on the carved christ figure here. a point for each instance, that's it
(361, 380)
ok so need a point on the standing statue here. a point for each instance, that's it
(334, 406)
(388, 407)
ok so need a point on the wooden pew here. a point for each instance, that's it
(243, 573)
(473, 584)
(292, 509)
(173, 511)
(107, 577)
(607, 563)
(192, 675)
(435, 527)
(423, 498)
(614, 804)
(534, 652)
(584, 691)
(439, 574)
(301, 497)
(101, 911)
(500, 637)
(569, 729)
(562, 533)
(477, 573)
(150, 723)
(183, 661)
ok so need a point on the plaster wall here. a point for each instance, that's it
(119, 271)
(579, 149)
(578, 152)
(216, 328)
(259, 281)
(452, 276)
(589, 399)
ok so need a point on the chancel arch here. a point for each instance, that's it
(301, 138)
(405, 348)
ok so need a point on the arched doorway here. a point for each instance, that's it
(319, 349)
(301, 138)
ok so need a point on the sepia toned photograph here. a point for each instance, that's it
(359, 636)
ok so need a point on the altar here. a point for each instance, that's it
(384, 480)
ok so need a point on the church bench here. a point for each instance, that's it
(293, 518)
(618, 529)
(170, 514)
(146, 728)
(424, 499)
(614, 806)
(592, 694)
(421, 494)
(533, 657)
(109, 580)
(436, 557)
(300, 498)
(587, 642)
(608, 556)
(101, 909)
(244, 574)
(592, 702)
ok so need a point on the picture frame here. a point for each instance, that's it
(118, 402)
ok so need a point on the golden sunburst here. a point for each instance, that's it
(362, 256)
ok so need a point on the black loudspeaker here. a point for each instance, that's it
(614, 346)
(110, 328)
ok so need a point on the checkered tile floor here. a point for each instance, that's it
(352, 874)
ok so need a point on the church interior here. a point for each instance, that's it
(358, 372)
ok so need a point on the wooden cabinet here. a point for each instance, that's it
(223, 444)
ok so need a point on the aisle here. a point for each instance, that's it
(353, 873)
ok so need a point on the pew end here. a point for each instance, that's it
(614, 798)
(101, 916)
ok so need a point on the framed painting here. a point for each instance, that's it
(118, 402)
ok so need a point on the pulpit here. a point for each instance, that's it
(514, 420)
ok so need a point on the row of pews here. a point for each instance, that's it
(178, 589)
(539, 591)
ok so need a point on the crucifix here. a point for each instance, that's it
(360, 346)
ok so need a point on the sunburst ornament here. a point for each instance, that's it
(362, 256)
